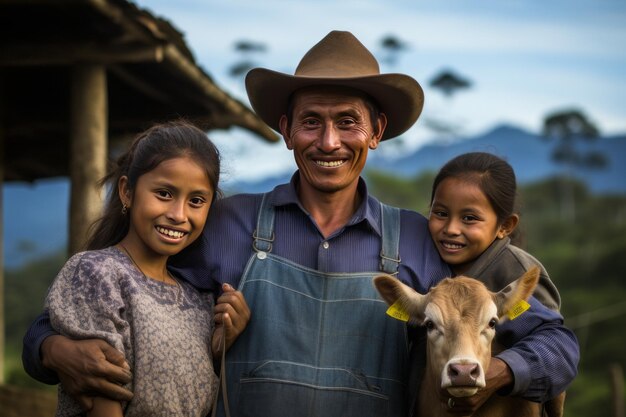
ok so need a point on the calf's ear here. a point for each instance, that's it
(518, 290)
(393, 291)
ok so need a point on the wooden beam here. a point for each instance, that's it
(40, 54)
(88, 151)
(247, 119)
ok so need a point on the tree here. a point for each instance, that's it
(246, 48)
(392, 47)
(569, 128)
(448, 83)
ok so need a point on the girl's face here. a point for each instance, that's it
(168, 207)
(462, 223)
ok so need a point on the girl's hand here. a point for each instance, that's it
(231, 318)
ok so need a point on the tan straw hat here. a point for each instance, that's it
(338, 59)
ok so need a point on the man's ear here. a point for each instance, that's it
(379, 129)
(283, 124)
(507, 227)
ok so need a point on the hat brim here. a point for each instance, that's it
(399, 96)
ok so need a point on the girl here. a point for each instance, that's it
(120, 290)
(471, 218)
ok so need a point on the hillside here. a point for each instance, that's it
(35, 219)
(528, 153)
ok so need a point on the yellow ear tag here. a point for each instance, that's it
(518, 309)
(397, 312)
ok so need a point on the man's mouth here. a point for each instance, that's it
(330, 164)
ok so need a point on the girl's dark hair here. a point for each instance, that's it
(493, 175)
(159, 143)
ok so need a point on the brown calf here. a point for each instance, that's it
(460, 315)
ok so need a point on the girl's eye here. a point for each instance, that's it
(469, 218)
(439, 213)
(164, 194)
(197, 201)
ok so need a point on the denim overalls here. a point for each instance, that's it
(317, 344)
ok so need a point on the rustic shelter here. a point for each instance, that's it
(78, 78)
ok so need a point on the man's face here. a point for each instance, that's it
(330, 134)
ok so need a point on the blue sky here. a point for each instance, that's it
(525, 58)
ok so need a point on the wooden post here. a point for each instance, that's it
(617, 389)
(88, 149)
(2, 292)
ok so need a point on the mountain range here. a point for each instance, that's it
(529, 154)
(35, 216)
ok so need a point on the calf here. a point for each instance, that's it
(460, 315)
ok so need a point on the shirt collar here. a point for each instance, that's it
(368, 211)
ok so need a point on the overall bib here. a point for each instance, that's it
(317, 344)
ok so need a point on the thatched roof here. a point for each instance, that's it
(151, 76)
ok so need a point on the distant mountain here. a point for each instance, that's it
(35, 216)
(528, 154)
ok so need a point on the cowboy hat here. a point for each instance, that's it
(338, 59)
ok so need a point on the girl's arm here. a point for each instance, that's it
(103, 407)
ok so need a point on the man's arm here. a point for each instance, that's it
(86, 368)
(38, 331)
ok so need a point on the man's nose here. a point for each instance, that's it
(330, 139)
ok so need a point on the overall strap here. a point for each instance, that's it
(264, 234)
(390, 252)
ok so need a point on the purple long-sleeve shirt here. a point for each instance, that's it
(544, 354)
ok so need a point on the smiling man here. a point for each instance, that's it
(318, 342)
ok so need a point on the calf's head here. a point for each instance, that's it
(460, 315)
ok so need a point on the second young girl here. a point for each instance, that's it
(121, 290)
(472, 215)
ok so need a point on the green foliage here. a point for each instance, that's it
(413, 193)
(25, 290)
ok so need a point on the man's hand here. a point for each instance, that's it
(87, 368)
(231, 318)
(498, 376)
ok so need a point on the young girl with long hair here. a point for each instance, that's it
(121, 290)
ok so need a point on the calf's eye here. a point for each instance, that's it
(430, 325)
(492, 323)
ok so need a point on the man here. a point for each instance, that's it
(318, 341)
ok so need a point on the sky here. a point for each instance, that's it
(524, 58)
